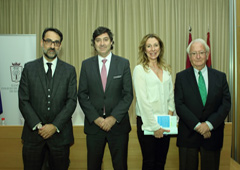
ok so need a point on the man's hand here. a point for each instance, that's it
(108, 123)
(159, 133)
(207, 135)
(47, 131)
(99, 121)
(202, 128)
(105, 124)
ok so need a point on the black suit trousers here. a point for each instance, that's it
(154, 150)
(188, 158)
(34, 156)
(118, 146)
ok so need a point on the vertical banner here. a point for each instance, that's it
(15, 51)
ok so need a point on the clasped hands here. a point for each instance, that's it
(105, 124)
(47, 131)
(204, 130)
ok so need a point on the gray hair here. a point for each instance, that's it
(200, 41)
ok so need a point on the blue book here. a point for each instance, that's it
(166, 122)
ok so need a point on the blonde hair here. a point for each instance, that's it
(143, 58)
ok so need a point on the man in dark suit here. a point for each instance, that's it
(105, 95)
(202, 102)
(47, 100)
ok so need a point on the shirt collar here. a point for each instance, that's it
(54, 62)
(100, 58)
(203, 70)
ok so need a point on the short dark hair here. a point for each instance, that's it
(102, 30)
(54, 30)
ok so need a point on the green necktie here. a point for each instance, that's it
(202, 88)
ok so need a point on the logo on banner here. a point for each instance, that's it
(16, 70)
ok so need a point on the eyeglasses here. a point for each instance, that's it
(201, 53)
(50, 42)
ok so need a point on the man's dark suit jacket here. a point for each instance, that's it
(190, 108)
(117, 97)
(33, 101)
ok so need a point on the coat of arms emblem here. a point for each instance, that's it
(16, 70)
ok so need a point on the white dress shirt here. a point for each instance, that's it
(205, 77)
(107, 64)
(153, 97)
(53, 67)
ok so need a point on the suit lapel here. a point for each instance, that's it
(96, 73)
(57, 77)
(211, 84)
(112, 70)
(42, 75)
(194, 85)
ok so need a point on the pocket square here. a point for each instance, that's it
(117, 77)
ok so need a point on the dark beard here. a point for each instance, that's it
(51, 58)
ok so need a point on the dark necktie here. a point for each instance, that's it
(202, 88)
(104, 74)
(49, 72)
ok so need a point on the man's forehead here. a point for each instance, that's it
(198, 45)
(104, 35)
(52, 35)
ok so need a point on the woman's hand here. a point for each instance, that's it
(159, 133)
(170, 113)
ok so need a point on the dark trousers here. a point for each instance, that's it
(118, 146)
(154, 150)
(188, 159)
(34, 156)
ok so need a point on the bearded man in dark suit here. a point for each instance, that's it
(47, 100)
(105, 95)
(202, 101)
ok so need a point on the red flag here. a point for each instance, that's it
(188, 63)
(209, 62)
